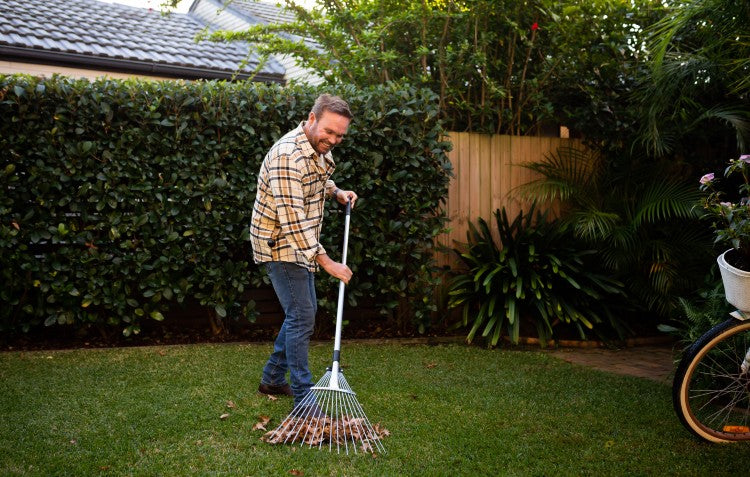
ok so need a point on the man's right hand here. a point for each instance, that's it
(335, 269)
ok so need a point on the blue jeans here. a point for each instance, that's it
(295, 289)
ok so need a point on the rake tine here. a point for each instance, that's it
(349, 424)
(334, 424)
(341, 425)
(327, 415)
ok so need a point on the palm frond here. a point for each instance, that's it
(567, 173)
(666, 200)
(735, 115)
(683, 21)
(591, 224)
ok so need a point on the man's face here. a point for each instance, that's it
(326, 131)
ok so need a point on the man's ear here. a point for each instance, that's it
(311, 118)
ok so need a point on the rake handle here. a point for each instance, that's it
(340, 307)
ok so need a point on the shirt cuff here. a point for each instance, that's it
(312, 254)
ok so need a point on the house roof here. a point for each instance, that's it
(93, 34)
(261, 11)
(238, 15)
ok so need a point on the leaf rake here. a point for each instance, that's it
(330, 415)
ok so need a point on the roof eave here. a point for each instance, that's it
(128, 66)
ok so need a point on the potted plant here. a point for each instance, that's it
(732, 226)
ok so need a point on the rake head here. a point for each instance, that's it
(329, 417)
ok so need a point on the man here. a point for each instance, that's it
(293, 182)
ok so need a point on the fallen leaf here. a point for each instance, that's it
(231, 405)
(162, 352)
(296, 472)
(261, 424)
(224, 416)
(381, 431)
(430, 365)
(15, 225)
(271, 398)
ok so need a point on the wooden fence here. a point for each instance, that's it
(487, 171)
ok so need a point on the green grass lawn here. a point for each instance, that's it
(451, 410)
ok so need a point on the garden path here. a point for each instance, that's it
(655, 362)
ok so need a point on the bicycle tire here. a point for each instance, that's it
(710, 391)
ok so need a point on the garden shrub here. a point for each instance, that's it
(120, 199)
(539, 273)
(700, 312)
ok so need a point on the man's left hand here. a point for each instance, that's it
(344, 196)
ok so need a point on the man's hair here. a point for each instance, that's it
(334, 104)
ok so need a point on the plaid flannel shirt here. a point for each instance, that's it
(288, 212)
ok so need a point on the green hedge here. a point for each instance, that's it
(119, 199)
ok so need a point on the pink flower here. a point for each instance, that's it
(745, 158)
(708, 177)
(534, 26)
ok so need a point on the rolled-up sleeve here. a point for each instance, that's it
(330, 187)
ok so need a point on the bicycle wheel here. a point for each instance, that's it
(711, 391)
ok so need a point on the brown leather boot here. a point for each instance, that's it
(283, 389)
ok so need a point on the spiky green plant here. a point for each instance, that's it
(535, 273)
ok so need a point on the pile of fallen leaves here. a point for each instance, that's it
(322, 431)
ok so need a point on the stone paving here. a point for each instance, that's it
(655, 362)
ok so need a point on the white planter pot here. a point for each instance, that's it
(736, 284)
